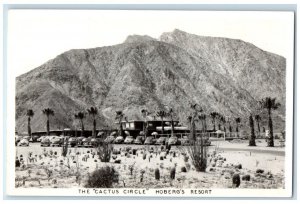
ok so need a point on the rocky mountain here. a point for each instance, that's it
(224, 75)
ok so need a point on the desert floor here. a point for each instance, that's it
(48, 168)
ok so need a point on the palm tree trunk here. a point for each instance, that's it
(29, 128)
(162, 125)
(271, 139)
(82, 127)
(237, 129)
(258, 128)
(94, 127)
(214, 122)
(252, 137)
(172, 127)
(48, 126)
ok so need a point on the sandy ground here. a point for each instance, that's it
(50, 169)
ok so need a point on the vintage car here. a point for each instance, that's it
(41, 138)
(110, 139)
(206, 141)
(18, 139)
(86, 142)
(184, 140)
(149, 140)
(173, 141)
(80, 141)
(139, 140)
(23, 143)
(46, 142)
(161, 141)
(72, 141)
(56, 141)
(95, 142)
(129, 140)
(119, 140)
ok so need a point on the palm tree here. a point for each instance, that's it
(162, 114)
(252, 136)
(223, 121)
(237, 121)
(213, 116)
(119, 117)
(93, 111)
(171, 115)
(196, 110)
(270, 104)
(80, 116)
(145, 113)
(258, 119)
(29, 114)
(48, 112)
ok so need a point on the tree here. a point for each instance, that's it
(257, 119)
(237, 121)
(214, 116)
(48, 112)
(196, 110)
(93, 111)
(80, 116)
(252, 136)
(145, 114)
(29, 114)
(171, 113)
(162, 114)
(119, 117)
(270, 104)
(223, 121)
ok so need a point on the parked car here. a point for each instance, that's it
(110, 139)
(45, 142)
(119, 140)
(173, 141)
(149, 140)
(95, 142)
(72, 141)
(184, 140)
(139, 140)
(18, 139)
(41, 138)
(86, 142)
(161, 141)
(80, 141)
(206, 141)
(56, 141)
(23, 143)
(129, 140)
(26, 137)
(35, 138)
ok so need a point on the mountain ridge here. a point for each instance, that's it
(146, 73)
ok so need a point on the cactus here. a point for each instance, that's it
(183, 169)
(246, 177)
(172, 173)
(157, 174)
(236, 180)
(144, 156)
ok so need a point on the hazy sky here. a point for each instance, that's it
(36, 36)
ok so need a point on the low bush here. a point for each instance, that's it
(236, 181)
(104, 177)
(246, 177)
(157, 174)
(183, 169)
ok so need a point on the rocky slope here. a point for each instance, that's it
(224, 75)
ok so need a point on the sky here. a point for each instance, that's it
(36, 36)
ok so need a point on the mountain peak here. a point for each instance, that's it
(138, 38)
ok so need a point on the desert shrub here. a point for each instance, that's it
(239, 166)
(172, 173)
(236, 180)
(186, 158)
(198, 155)
(134, 151)
(260, 171)
(188, 166)
(18, 163)
(183, 169)
(104, 177)
(157, 174)
(104, 152)
(246, 177)
(161, 157)
(131, 168)
(144, 156)
(118, 161)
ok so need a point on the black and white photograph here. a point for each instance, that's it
(150, 103)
